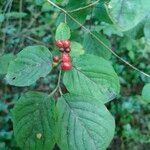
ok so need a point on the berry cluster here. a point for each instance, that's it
(65, 59)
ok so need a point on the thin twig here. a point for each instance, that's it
(60, 91)
(85, 7)
(65, 18)
(58, 85)
(35, 40)
(93, 35)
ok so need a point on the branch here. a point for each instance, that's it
(58, 86)
(35, 40)
(81, 8)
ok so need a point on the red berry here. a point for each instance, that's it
(65, 57)
(66, 66)
(67, 50)
(66, 44)
(59, 44)
(56, 59)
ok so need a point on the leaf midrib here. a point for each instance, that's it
(80, 122)
(91, 80)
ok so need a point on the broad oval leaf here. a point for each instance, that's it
(93, 76)
(33, 121)
(31, 63)
(4, 62)
(62, 32)
(127, 14)
(83, 124)
(146, 93)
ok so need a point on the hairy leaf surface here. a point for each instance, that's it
(33, 121)
(84, 124)
(128, 13)
(31, 63)
(93, 76)
(62, 32)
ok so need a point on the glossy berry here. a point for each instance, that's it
(56, 59)
(66, 44)
(65, 57)
(67, 50)
(59, 44)
(66, 66)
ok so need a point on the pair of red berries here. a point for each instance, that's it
(64, 46)
(65, 61)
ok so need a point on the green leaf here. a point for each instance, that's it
(76, 49)
(92, 76)
(127, 14)
(72, 4)
(147, 28)
(62, 32)
(4, 62)
(101, 12)
(146, 93)
(83, 124)
(92, 46)
(79, 16)
(33, 121)
(31, 63)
